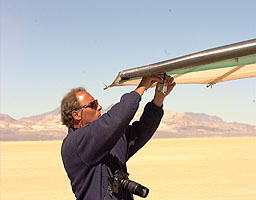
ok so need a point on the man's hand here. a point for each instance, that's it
(159, 97)
(147, 82)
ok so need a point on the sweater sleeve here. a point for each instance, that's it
(141, 131)
(95, 140)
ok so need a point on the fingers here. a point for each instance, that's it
(170, 87)
(156, 78)
(147, 81)
(169, 79)
(171, 84)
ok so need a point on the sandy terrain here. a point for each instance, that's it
(177, 169)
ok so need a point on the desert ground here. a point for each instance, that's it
(176, 169)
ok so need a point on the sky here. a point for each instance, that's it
(48, 47)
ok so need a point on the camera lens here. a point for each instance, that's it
(135, 188)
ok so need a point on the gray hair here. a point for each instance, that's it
(68, 104)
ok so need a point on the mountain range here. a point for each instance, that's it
(47, 126)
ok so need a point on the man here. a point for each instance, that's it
(97, 143)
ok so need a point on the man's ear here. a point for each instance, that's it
(76, 115)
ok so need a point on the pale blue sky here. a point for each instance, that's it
(51, 46)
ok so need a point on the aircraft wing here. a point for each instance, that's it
(230, 62)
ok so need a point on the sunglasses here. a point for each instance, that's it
(93, 105)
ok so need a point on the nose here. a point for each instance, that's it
(99, 107)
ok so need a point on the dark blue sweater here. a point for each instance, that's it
(109, 141)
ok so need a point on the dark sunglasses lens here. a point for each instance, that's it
(94, 104)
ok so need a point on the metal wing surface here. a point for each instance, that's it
(230, 62)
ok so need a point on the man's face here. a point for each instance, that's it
(88, 114)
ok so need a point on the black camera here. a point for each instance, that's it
(120, 181)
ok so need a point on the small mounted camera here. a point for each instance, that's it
(162, 87)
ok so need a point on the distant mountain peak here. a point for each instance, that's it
(204, 117)
(5, 117)
(56, 111)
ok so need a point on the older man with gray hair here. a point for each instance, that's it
(98, 145)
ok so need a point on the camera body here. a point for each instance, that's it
(120, 181)
(162, 87)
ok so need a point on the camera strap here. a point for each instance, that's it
(113, 164)
(110, 172)
(111, 180)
